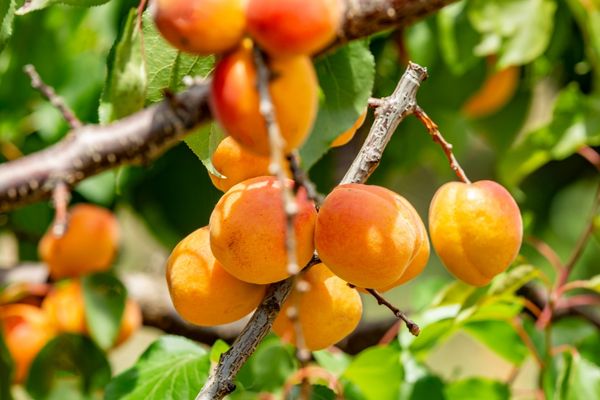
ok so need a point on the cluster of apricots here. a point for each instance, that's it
(88, 245)
(366, 236)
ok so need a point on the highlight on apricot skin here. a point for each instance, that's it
(366, 235)
(291, 27)
(234, 99)
(328, 312)
(26, 330)
(495, 93)
(201, 26)
(89, 244)
(202, 292)
(347, 136)
(247, 231)
(475, 229)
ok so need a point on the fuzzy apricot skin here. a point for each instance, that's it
(65, 307)
(476, 229)
(247, 231)
(347, 135)
(236, 164)
(291, 27)
(201, 27)
(89, 244)
(328, 312)
(234, 99)
(366, 235)
(202, 292)
(26, 331)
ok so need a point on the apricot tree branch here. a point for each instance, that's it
(89, 150)
(50, 94)
(437, 137)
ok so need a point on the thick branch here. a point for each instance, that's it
(89, 150)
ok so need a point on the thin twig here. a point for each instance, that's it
(546, 251)
(590, 155)
(301, 179)
(412, 327)
(53, 98)
(437, 137)
(61, 198)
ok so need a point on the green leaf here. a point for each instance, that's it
(6, 369)
(171, 368)
(589, 348)
(456, 292)
(377, 372)
(575, 123)
(35, 5)
(166, 66)
(428, 387)
(593, 283)
(125, 88)
(317, 392)
(580, 379)
(335, 363)
(204, 142)
(7, 15)
(518, 31)
(269, 367)
(457, 38)
(99, 189)
(500, 337)
(68, 356)
(104, 297)
(508, 283)
(477, 389)
(346, 78)
(587, 15)
(218, 348)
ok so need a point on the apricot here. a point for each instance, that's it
(328, 312)
(291, 27)
(89, 244)
(247, 230)
(26, 330)
(65, 307)
(347, 135)
(476, 229)
(203, 293)
(131, 321)
(367, 235)
(495, 93)
(235, 100)
(201, 26)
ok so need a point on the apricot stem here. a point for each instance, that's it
(60, 198)
(50, 94)
(412, 326)
(437, 137)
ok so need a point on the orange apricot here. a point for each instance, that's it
(476, 229)
(247, 230)
(65, 307)
(89, 244)
(201, 26)
(495, 93)
(347, 136)
(131, 321)
(202, 292)
(328, 312)
(234, 99)
(290, 27)
(366, 235)
(26, 330)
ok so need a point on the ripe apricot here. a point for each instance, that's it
(247, 230)
(328, 312)
(234, 99)
(347, 136)
(89, 244)
(286, 27)
(130, 321)
(494, 94)
(202, 291)
(476, 229)
(26, 329)
(65, 307)
(202, 26)
(366, 235)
